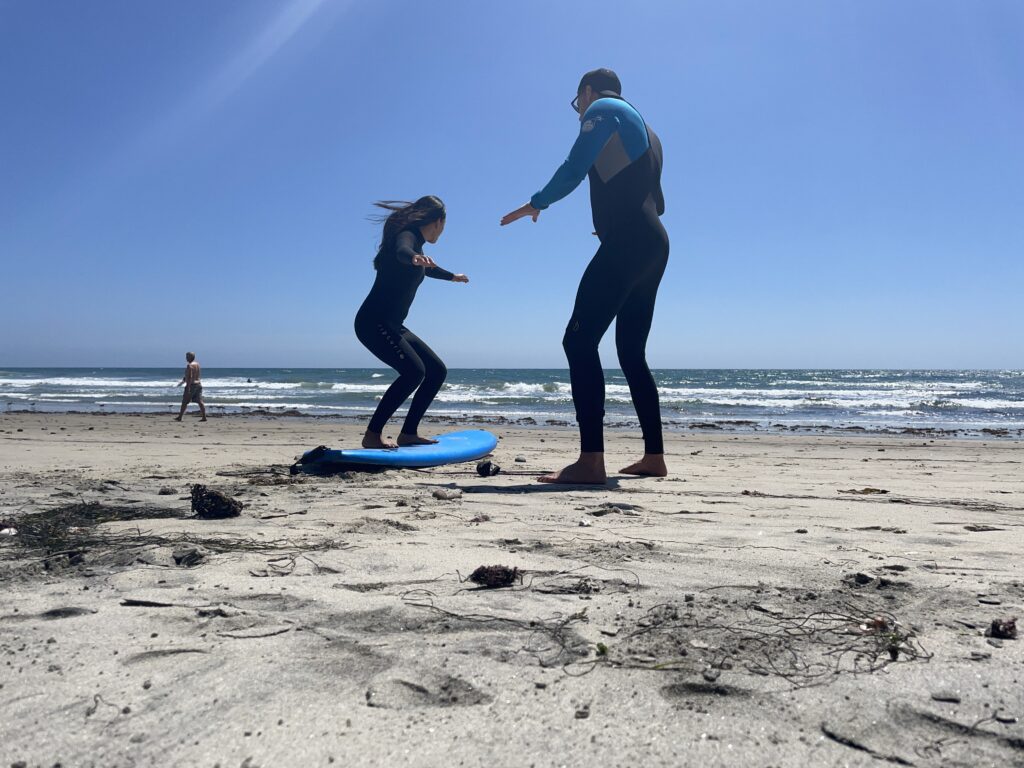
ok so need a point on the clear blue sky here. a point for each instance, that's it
(844, 179)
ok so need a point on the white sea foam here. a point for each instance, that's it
(304, 407)
(991, 405)
(85, 382)
(470, 394)
(921, 386)
(540, 416)
(357, 388)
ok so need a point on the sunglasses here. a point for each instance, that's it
(575, 104)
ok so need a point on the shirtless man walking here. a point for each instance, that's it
(193, 386)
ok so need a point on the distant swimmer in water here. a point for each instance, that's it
(401, 266)
(193, 386)
(622, 157)
(248, 381)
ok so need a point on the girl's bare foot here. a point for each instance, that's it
(376, 440)
(651, 465)
(404, 439)
(587, 470)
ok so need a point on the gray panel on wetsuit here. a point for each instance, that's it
(612, 159)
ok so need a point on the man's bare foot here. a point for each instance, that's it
(404, 439)
(177, 418)
(203, 419)
(587, 470)
(376, 440)
(651, 465)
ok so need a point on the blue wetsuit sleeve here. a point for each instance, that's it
(594, 134)
(405, 247)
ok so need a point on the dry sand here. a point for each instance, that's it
(742, 611)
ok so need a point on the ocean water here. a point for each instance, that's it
(961, 400)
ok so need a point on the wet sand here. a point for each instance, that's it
(765, 604)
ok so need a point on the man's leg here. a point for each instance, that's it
(435, 373)
(632, 327)
(601, 293)
(184, 404)
(202, 408)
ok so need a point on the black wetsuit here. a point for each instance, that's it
(623, 159)
(379, 327)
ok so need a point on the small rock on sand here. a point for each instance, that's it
(447, 494)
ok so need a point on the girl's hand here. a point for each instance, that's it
(419, 260)
(460, 278)
(518, 213)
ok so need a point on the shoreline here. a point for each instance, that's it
(724, 426)
(916, 403)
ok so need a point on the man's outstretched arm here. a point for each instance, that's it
(594, 134)
(595, 131)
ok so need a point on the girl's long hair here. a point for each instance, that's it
(405, 215)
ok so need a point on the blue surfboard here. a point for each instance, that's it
(449, 449)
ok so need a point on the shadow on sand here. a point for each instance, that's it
(611, 485)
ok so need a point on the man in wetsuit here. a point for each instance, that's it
(623, 158)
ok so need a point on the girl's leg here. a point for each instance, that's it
(386, 342)
(434, 374)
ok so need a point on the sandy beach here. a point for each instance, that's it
(778, 600)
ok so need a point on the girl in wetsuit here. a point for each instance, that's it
(401, 267)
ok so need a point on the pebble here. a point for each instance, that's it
(946, 695)
(447, 494)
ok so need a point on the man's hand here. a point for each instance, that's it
(460, 278)
(419, 260)
(518, 213)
